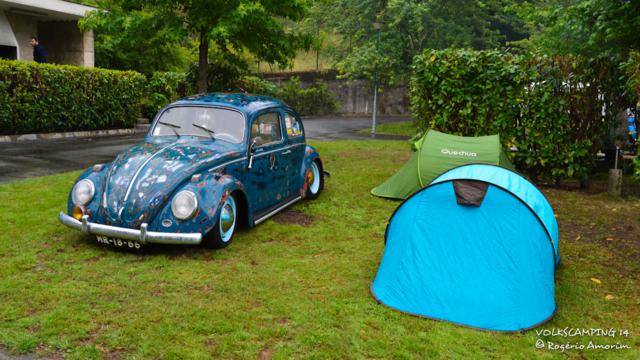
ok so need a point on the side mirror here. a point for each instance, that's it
(252, 150)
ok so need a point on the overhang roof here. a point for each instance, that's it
(46, 9)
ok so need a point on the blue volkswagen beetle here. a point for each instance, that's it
(208, 165)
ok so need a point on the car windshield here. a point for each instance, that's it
(224, 124)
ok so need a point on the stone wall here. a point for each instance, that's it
(354, 96)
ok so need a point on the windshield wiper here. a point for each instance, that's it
(211, 132)
(172, 127)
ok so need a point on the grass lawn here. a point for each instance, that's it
(295, 286)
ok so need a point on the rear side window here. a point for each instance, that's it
(266, 129)
(293, 126)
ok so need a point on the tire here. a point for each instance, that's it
(222, 233)
(314, 179)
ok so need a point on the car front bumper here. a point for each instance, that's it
(142, 236)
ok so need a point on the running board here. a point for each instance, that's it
(275, 211)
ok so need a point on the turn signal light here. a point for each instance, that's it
(77, 213)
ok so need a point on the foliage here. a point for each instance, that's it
(162, 89)
(224, 73)
(591, 28)
(632, 71)
(257, 85)
(315, 99)
(135, 40)
(550, 108)
(232, 27)
(292, 287)
(407, 28)
(49, 98)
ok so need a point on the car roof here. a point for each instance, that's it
(246, 103)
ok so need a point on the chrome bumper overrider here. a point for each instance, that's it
(142, 236)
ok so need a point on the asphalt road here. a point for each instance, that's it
(36, 158)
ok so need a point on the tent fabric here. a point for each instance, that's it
(435, 153)
(518, 186)
(490, 266)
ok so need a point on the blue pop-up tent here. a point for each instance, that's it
(478, 246)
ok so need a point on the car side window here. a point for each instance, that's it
(266, 129)
(293, 126)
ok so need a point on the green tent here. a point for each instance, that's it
(436, 153)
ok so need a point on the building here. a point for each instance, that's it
(54, 22)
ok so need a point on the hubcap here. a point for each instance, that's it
(228, 219)
(313, 178)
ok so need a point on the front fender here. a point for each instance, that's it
(212, 189)
(96, 174)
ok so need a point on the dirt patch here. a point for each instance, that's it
(293, 217)
(265, 354)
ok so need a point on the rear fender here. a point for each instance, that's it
(310, 155)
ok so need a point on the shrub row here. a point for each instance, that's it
(556, 111)
(50, 98)
(632, 71)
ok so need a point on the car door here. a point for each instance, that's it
(266, 176)
(293, 155)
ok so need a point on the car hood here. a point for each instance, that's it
(141, 180)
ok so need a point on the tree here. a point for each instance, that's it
(231, 27)
(590, 28)
(128, 39)
(407, 27)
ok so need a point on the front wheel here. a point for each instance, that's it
(314, 179)
(222, 233)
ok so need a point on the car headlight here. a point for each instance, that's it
(83, 192)
(184, 205)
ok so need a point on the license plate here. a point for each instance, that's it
(118, 242)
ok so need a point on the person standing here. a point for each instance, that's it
(39, 52)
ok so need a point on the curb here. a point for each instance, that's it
(68, 135)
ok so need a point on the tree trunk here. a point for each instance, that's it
(203, 62)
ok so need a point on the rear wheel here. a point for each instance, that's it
(314, 179)
(222, 233)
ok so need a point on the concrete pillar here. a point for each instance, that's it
(614, 187)
(88, 49)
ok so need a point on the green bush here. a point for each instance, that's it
(162, 89)
(315, 99)
(51, 98)
(550, 109)
(259, 86)
(632, 71)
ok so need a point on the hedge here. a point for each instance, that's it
(550, 109)
(40, 98)
(632, 71)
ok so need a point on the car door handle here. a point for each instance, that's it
(286, 152)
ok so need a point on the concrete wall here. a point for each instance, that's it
(354, 97)
(24, 27)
